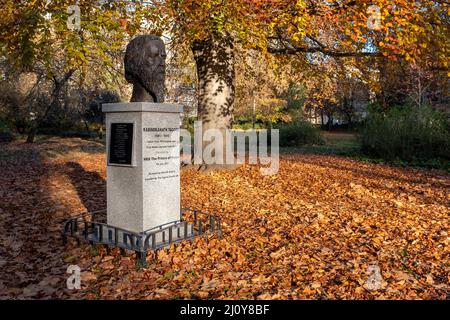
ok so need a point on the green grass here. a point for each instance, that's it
(348, 145)
(247, 126)
(49, 147)
(337, 144)
(342, 144)
(435, 163)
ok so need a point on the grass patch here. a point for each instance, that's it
(345, 144)
(348, 145)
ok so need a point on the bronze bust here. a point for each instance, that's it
(145, 68)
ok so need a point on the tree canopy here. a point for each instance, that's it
(415, 30)
(301, 34)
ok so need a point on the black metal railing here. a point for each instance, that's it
(88, 227)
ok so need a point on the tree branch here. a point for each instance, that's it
(325, 51)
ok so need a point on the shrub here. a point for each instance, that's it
(5, 133)
(247, 126)
(298, 134)
(6, 137)
(407, 133)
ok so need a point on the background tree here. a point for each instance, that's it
(216, 32)
(413, 30)
(37, 35)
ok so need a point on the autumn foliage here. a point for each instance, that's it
(323, 227)
(316, 230)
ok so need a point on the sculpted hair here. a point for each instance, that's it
(135, 56)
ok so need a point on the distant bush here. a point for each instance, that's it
(5, 132)
(247, 126)
(407, 133)
(298, 134)
(6, 137)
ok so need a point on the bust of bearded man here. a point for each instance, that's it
(145, 68)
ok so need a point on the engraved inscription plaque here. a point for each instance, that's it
(121, 144)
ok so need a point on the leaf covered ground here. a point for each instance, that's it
(319, 229)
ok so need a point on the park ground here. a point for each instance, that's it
(316, 230)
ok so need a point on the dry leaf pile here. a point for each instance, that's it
(324, 227)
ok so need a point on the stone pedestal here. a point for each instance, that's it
(143, 164)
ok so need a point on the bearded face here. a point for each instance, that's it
(145, 66)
